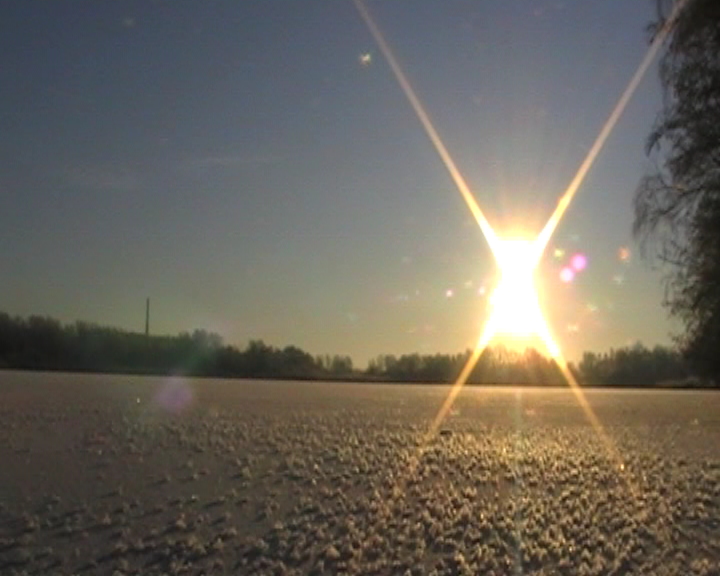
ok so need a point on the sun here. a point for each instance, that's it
(514, 304)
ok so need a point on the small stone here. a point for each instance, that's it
(332, 554)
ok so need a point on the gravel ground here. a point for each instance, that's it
(130, 475)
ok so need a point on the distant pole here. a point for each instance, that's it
(147, 317)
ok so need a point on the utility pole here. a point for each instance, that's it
(147, 317)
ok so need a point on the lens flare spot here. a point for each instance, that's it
(558, 253)
(175, 396)
(449, 293)
(578, 262)
(567, 275)
(624, 254)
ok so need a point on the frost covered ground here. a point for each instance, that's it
(126, 475)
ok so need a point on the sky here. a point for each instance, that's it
(255, 169)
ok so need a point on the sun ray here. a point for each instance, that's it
(427, 124)
(605, 131)
(487, 335)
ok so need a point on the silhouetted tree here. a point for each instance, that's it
(678, 206)
(341, 366)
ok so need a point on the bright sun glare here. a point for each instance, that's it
(515, 309)
(514, 304)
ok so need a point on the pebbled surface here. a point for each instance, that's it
(135, 475)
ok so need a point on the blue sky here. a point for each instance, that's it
(241, 165)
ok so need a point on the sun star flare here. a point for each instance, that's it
(515, 307)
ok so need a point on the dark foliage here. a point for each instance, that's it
(39, 343)
(678, 206)
(44, 344)
(496, 365)
(632, 366)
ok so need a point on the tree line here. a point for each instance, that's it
(41, 343)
